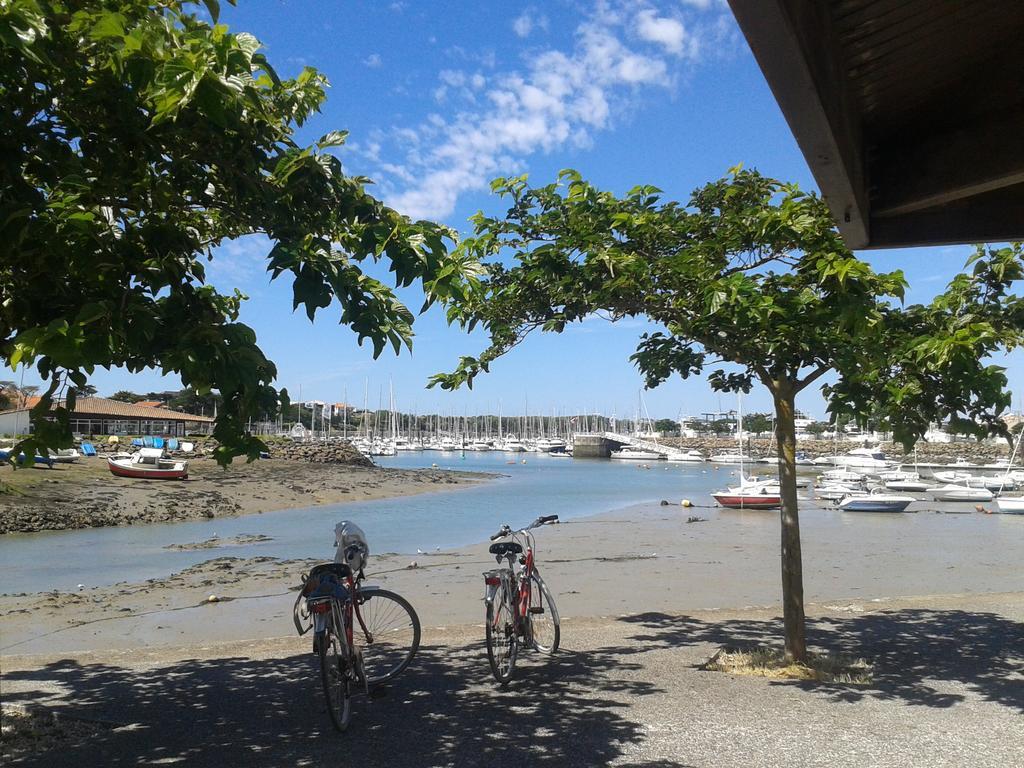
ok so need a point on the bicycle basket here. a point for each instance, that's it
(351, 546)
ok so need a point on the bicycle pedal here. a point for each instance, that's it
(537, 609)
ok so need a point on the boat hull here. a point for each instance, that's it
(1011, 505)
(748, 501)
(867, 504)
(125, 469)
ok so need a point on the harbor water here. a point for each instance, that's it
(527, 485)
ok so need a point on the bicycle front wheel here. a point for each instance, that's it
(502, 643)
(545, 629)
(337, 685)
(387, 630)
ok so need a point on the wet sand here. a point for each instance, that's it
(85, 494)
(646, 558)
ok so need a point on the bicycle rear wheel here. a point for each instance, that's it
(502, 643)
(389, 634)
(545, 629)
(336, 681)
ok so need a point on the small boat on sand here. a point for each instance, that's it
(1011, 505)
(66, 456)
(954, 492)
(149, 464)
(749, 497)
(876, 501)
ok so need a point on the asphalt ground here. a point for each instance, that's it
(627, 691)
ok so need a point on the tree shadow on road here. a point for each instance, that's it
(569, 710)
(915, 652)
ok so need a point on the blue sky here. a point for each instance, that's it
(440, 97)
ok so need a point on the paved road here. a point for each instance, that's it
(625, 691)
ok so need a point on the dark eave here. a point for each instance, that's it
(910, 113)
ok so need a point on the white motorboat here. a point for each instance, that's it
(954, 492)
(479, 445)
(512, 444)
(66, 455)
(549, 444)
(950, 476)
(692, 456)
(876, 501)
(993, 482)
(864, 458)
(637, 454)
(913, 486)
(1011, 505)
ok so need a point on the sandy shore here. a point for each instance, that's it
(85, 494)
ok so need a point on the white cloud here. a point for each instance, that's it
(559, 99)
(528, 21)
(663, 30)
(239, 262)
(373, 60)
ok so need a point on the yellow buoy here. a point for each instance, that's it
(686, 503)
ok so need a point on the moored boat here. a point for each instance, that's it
(691, 456)
(748, 498)
(637, 454)
(953, 492)
(1011, 505)
(149, 464)
(876, 501)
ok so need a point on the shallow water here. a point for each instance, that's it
(542, 485)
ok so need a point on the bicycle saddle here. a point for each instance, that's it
(505, 547)
(340, 570)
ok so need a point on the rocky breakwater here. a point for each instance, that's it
(319, 453)
(983, 452)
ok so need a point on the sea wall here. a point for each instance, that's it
(927, 453)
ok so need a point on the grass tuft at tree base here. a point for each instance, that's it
(771, 662)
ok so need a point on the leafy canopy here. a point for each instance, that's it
(750, 272)
(135, 138)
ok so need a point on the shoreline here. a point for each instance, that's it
(641, 558)
(86, 495)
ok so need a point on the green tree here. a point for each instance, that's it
(757, 423)
(750, 274)
(135, 138)
(667, 427)
(88, 390)
(818, 428)
(124, 396)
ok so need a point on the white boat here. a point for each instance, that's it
(961, 462)
(837, 491)
(479, 445)
(957, 478)
(839, 475)
(864, 458)
(897, 474)
(66, 455)
(512, 444)
(876, 501)
(404, 444)
(1011, 505)
(637, 454)
(149, 464)
(549, 444)
(730, 458)
(913, 486)
(995, 483)
(691, 456)
(954, 492)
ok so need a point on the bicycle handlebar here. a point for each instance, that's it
(543, 520)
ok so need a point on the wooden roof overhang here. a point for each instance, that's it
(910, 113)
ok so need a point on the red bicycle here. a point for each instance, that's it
(520, 608)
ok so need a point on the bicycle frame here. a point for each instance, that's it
(521, 603)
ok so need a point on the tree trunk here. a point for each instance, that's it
(792, 567)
